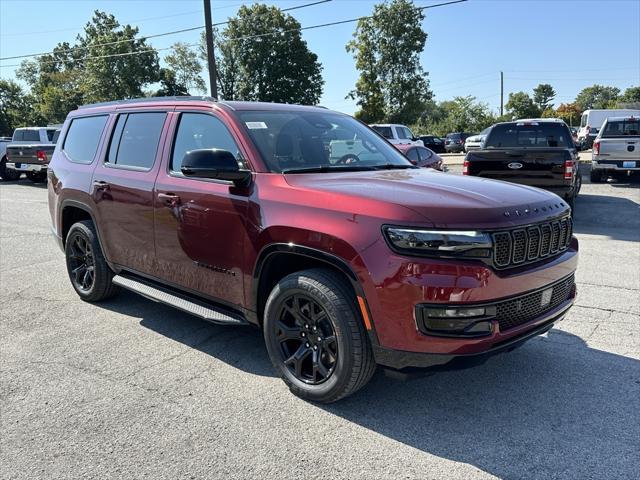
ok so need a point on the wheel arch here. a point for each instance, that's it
(278, 260)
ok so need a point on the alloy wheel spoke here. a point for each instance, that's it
(297, 358)
(318, 366)
(287, 333)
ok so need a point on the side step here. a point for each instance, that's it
(181, 302)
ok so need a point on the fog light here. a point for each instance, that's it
(456, 312)
(455, 321)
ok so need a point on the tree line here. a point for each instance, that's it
(261, 56)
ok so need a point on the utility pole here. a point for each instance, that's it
(211, 59)
(501, 93)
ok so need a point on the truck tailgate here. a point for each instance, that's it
(619, 149)
(29, 153)
(539, 167)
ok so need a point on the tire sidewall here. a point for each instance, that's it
(341, 373)
(79, 229)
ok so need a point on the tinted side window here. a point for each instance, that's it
(31, 136)
(50, 134)
(401, 133)
(413, 155)
(384, 131)
(425, 154)
(83, 137)
(135, 139)
(198, 131)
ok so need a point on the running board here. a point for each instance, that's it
(181, 302)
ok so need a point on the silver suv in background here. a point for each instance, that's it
(616, 149)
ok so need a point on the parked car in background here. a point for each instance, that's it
(592, 120)
(421, 156)
(432, 142)
(22, 137)
(616, 149)
(454, 142)
(474, 142)
(232, 211)
(396, 134)
(4, 141)
(31, 156)
(539, 153)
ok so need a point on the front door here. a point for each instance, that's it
(123, 190)
(200, 228)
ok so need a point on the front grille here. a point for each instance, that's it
(523, 309)
(525, 245)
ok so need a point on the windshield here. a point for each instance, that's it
(622, 128)
(298, 141)
(529, 135)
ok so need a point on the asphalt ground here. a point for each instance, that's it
(132, 389)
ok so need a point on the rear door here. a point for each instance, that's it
(200, 227)
(122, 189)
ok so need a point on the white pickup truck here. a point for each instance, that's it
(616, 149)
(397, 134)
(29, 151)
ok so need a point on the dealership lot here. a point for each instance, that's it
(130, 388)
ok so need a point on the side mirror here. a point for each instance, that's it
(216, 164)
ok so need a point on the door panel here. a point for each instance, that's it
(200, 223)
(123, 193)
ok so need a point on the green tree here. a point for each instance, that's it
(16, 107)
(570, 113)
(262, 57)
(183, 62)
(543, 94)
(109, 77)
(597, 96)
(520, 105)
(169, 85)
(392, 85)
(630, 97)
(462, 114)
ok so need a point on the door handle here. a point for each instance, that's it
(169, 199)
(100, 185)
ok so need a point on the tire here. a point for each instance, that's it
(596, 176)
(8, 174)
(37, 177)
(304, 311)
(94, 282)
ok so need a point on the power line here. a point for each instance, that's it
(164, 34)
(248, 37)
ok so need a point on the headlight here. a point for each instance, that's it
(440, 243)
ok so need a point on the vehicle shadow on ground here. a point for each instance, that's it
(614, 217)
(25, 181)
(239, 346)
(554, 408)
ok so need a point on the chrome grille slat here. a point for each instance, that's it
(525, 245)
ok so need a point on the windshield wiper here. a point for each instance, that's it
(329, 168)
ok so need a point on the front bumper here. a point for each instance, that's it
(26, 167)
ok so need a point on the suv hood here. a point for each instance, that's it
(444, 200)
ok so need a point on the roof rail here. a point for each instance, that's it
(148, 99)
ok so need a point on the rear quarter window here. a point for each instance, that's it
(82, 139)
(384, 131)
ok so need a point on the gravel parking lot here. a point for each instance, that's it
(131, 389)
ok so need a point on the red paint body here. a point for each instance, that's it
(340, 214)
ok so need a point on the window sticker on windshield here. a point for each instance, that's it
(255, 125)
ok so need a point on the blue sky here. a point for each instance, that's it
(569, 44)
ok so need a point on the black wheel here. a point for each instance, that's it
(37, 177)
(88, 271)
(315, 337)
(596, 176)
(8, 174)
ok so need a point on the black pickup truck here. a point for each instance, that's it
(31, 158)
(539, 153)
